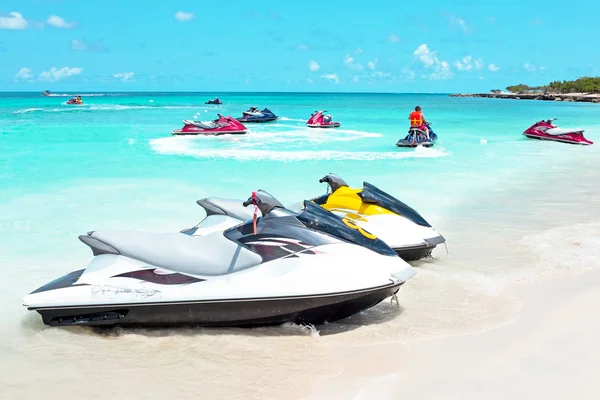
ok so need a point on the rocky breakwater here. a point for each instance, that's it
(568, 97)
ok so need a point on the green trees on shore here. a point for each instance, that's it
(580, 85)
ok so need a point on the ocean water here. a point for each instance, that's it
(500, 199)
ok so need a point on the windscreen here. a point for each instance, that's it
(319, 219)
(371, 194)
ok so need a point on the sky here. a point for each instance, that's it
(437, 46)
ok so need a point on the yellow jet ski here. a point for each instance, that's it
(382, 215)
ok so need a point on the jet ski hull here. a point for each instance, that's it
(408, 143)
(571, 138)
(208, 132)
(313, 309)
(256, 120)
(333, 125)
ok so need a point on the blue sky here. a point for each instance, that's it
(375, 46)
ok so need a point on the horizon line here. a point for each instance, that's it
(217, 91)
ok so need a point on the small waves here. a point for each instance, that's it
(292, 119)
(100, 107)
(184, 146)
(84, 95)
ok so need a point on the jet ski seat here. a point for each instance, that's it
(205, 124)
(561, 131)
(230, 207)
(208, 255)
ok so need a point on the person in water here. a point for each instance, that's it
(417, 120)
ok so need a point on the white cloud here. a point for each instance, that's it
(56, 74)
(184, 16)
(302, 46)
(355, 79)
(313, 65)
(542, 68)
(393, 38)
(529, 67)
(373, 64)
(467, 64)
(464, 64)
(358, 51)
(379, 74)
(493, 67)
(78, 45)
(14, 21)
(331, 77)
(309, 80)
(58, 22)
(349, 61)
(462, 24)
(441, 69)
(124, 76)
(425, 55)
(481, 77)
(24, 74)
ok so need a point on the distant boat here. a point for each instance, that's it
(216, 100)
(46, 93)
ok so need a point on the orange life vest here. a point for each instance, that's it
(416, 118)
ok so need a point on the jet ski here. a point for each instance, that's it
(319, 119)
(303, 267)
(46, 93)
(394, 222)
(545, 130)
(220, 126)
(255, 115)
(75, 100)
(216, 100)
(397, 224)
(417, 137)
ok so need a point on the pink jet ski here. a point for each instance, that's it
(545, 130)
(319, 119)
(220, 126)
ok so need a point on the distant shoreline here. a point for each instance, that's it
(567, 97)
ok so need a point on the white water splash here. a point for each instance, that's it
(175, 145)
(99, 107)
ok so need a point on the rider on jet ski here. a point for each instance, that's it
(417, 120)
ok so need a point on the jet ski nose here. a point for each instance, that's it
(405, 274)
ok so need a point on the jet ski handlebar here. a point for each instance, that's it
(264, 201)
(334, 181)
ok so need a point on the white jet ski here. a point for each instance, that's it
(303, 267)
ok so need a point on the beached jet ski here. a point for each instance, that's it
(255, 115)
(394, 222)
(305, 267)
(417, 137)
(397, 224)
(220, 126)
(216, 100)
(545, 130)
(319, 119)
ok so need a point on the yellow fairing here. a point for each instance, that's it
(345, 198)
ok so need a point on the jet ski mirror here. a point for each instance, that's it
(334, 181)
(264, 201)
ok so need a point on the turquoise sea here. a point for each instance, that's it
(112, 163)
